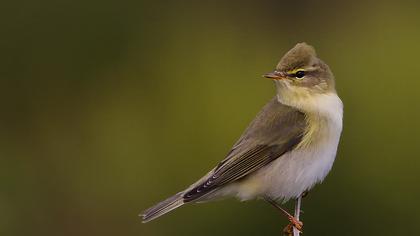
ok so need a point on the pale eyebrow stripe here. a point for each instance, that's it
(308, 69)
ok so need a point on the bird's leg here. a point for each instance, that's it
(294, 223)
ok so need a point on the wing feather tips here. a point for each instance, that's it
(162, 207)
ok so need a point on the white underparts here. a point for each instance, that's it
(299, 170)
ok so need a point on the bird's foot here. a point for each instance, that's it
(294, 223)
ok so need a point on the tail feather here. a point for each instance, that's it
(163, 207)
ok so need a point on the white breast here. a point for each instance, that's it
(299, 170)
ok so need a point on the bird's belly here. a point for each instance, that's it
(291, 174)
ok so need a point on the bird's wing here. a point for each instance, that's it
(276, 130)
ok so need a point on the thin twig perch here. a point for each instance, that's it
(296, 232)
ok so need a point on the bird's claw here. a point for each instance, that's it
(294, 223)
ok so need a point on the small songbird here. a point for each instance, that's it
(288, 148)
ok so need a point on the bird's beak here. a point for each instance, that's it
(275, 75)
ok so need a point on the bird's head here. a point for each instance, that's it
(300, 75)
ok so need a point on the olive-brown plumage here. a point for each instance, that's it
(288, 147)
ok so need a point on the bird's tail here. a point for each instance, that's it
(163, 207)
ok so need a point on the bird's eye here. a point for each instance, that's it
(300, 74)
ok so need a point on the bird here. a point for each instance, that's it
(287, 149)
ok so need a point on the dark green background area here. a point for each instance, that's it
(107, 107)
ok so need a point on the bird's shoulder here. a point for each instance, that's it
(275, 120)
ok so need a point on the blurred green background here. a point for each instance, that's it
(108, 107)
